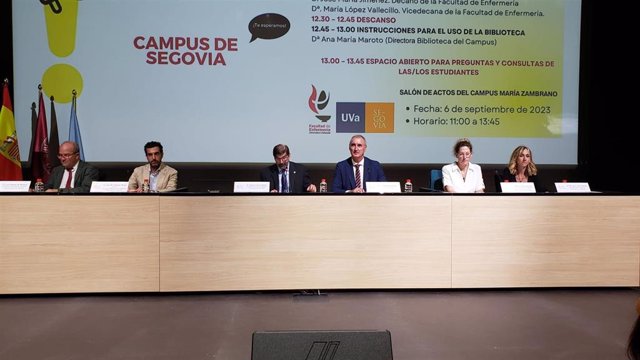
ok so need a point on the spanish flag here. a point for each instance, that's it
(10, 166)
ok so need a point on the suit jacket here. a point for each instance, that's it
(299, 178)
(82, 178)
(167, 177)
(344, 179)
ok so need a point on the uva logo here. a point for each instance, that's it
(318, 102)
(349, 117)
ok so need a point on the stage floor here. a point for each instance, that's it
(431, 324)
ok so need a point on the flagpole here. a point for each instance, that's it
(40, 166)
(54, 138)
(74, 127)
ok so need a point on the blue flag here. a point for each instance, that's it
(74, 128)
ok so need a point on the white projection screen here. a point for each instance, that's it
(223, 81)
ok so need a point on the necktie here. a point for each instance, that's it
(69, 177)
(285, 186)
(358, 181)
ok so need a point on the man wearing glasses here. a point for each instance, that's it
(286, 176)
(72, 176)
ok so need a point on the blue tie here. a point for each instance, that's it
(285, 187)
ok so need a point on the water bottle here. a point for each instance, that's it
(323, 185)
(38, 186)
(408, 187)
(145, 186)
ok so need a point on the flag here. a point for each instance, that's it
(34, 126)
(74, 128)
(54, 139)
(10, 166)
(40, 167)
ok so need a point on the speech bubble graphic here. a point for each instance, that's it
(268, 26)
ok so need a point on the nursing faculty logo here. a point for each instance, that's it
(318, 102)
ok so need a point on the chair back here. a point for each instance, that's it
(497, 179)
(435, 180)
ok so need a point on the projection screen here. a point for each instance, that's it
(223, 81)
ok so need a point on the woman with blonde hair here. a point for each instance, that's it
(522, 168)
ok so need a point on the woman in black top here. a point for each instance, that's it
(521, 168)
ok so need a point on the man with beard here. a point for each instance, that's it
(159, 175)
(286, 176)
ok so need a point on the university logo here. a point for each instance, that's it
(318, 102)
(361, 117)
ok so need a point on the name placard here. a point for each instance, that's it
(109, 186)
(14, 186)
(572, 187)
(383, 187)
(518, 187)
(251, 187)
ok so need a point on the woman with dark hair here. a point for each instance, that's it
(462, 176)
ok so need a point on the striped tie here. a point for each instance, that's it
(358, 181)
(284, 185)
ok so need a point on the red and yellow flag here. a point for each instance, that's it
(10, 166)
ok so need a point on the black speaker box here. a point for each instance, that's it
(322, 345)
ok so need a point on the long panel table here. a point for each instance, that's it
(304, 242)
(559, 241)
(197, 242)
(62, 244)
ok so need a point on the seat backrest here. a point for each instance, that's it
(435, 180)
(497, 179)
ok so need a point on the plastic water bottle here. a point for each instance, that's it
(145, 186)
(408, 187)
(38, 186)
(323, 185)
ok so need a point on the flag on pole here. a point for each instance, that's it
(40, 167)
(10, 166)
(34, 126)
(74, 127)
(54, 139)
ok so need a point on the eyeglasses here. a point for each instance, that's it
(282, 158)
(64, 156)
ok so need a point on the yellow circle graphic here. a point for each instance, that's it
(60, 80)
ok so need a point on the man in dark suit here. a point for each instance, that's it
(73, 176)
(286, 176)
(352, 174)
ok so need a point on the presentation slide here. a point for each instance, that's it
(223, 81)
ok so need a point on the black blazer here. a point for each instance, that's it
(299, 178)
(83, 177)
(506, 175)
